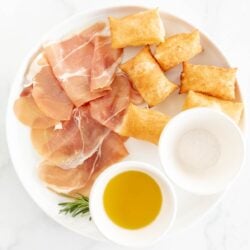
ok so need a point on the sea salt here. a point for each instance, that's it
(198, 149)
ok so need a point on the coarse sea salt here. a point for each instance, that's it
(198, 149)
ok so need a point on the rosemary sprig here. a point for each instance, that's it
(79, 205)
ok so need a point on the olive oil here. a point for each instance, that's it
(132, 199)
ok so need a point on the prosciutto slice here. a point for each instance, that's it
(112, 151)
(71, 145)
(110, 109)
(62, 147)
(28, 113)
(105, 62)
(57, 51)
(92, 132)
(71, 63)
(74, 100)
(81, 179)
(65, 180)
(47, 92)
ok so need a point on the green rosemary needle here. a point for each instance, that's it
(79, 205)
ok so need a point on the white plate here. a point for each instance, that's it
(190, 207)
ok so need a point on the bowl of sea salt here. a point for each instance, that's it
(202, 150)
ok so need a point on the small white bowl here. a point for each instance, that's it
(142, 237)
(202, 150)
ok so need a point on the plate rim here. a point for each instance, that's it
(35, 48)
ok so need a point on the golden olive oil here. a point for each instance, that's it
(132, 199)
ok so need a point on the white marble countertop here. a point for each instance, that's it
(23, 225)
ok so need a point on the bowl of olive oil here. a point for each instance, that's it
(133, 204)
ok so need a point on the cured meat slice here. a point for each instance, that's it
(40, 139)
(71, 63)
(81, 179)
(113, 103)
(48, 94)
(65, 180)
(26, 91)
(28, 112)
(61, 147)
(57, 51)
(76, 141)
(104, 64)
(92, 132)
(109, 109)
(74, 72)
(112, 151)
(64, 147)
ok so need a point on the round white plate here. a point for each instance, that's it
(190, 207)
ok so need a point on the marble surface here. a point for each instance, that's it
(23, 226)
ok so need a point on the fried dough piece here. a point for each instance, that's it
(233, 109)
(141, 28)
(148, 77)
(142, 123)
(177, 49)
(211, 80)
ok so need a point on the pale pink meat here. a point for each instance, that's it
(73, 143)
(65, 180)
(74, 100)
(81, 179)
(92, 132)
(105, 62)
(65, 146)
(112, 151)
(71, 63)
(110, 109)
(27, 111)
(48, 93)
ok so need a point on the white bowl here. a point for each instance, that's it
(202, 150)
(140, 237)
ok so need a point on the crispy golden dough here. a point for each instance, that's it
(148, 78)
(177, 49)
(233, 109)
(139, 29)
(211, 80)
(142, 123)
